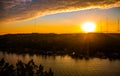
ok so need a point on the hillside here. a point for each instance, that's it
(61, 43)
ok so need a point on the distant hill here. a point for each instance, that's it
(68, 43)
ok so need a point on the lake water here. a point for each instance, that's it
(67, 66)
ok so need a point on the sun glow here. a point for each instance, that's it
(88, 27)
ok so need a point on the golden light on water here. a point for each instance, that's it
(88, 27)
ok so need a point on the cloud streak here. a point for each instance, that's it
(17, 10)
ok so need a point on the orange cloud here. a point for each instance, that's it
(18, 10)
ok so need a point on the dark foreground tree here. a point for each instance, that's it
(22, 69)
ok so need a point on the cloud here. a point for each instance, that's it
(17, 10)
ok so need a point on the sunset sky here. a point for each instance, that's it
(58, 16)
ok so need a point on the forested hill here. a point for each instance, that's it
(60, 42)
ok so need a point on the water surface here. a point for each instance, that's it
(67, 66)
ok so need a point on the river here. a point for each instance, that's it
(67, 66)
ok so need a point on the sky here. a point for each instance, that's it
(58, 16)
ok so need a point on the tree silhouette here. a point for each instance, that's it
(22, 69)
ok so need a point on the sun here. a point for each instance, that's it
(88, 27)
